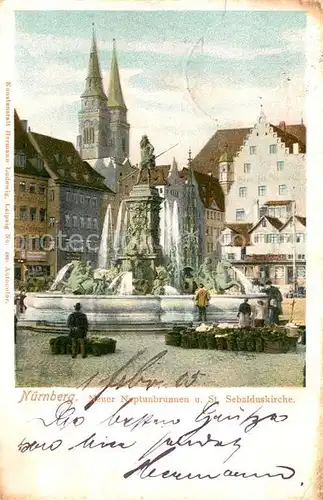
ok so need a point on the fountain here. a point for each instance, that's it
(137, 286)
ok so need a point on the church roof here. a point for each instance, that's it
(94, 87)
(65, 163)
(115, 96)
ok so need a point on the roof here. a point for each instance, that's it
(210, 190)
(115, 96)
(226, 140)
(298, 130)
(94, 80)
(242, 231)
(302, 220)
(24, 145)
(288, 139)
(277, 202)
(66, 164)
(276, 223)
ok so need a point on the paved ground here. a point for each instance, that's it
(36, 367)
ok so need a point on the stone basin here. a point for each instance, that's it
(122, 313)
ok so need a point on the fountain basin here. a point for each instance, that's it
(127, 313)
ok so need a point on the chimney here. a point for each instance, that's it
(24, 124)
(295, 148)
(256, 211)
(282, 126)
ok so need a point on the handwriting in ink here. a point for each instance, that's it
(63, 416)
(90, 443)
(24, 445)
(209, 413)
(146, 471)
(133, 380)
(133, 423)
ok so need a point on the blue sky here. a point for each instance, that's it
(184, 74)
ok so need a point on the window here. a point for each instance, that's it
(226, 239)
(74, 221)
(273, 149)
(52, 194)
(263, 211)
(88, 135)
(51, 221)
(22, 187)
(262, 190)
(81, 199)
(68, 196)
(42, 214)
(259, 238)
(247, 168)
(289, 256)
(40, 163)
(301, 271)
(252, 150)
(264, 223)
(42, 188)
(23, 213)
(240, 214)
(301, 256)
(300, 237)
(94, 202)
(95, 224)
(231, 256)
(20, 160)
(33, 212)
(33, 243)
(124, 145)
(89, 223)
(282, 189)
(273, 238)
(32, 188)
(280, 165)
(242, 192)
(82, 223)
(67, 220)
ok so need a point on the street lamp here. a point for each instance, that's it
(56, 246)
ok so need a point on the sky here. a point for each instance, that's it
(184, 74)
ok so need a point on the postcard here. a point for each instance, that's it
(162, 250)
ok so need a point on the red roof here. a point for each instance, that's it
(210, 190)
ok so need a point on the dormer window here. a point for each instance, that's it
(20, 160)
(59, 157)
(40, 163)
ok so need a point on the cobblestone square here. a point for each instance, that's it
(37, 367)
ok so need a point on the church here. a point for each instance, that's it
(103, 139)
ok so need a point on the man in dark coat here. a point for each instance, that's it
(78, 325)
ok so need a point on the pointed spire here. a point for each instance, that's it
(115, 96)
(94, 86)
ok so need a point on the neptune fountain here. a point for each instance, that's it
(139, 284)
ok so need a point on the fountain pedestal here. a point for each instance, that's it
(142, 249)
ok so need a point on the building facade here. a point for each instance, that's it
(104, 133)
(31, 189)
(76, 203)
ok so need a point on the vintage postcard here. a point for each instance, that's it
(162, 250)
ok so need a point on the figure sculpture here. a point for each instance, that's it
(223, 279)
(147, 159)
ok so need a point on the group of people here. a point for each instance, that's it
(246, 316)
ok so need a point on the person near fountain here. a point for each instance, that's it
(202, 299)
(244, 314)
(260, 312)
(78, 325)
(273, 318)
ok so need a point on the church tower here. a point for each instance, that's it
(93, 139)
(119, 128)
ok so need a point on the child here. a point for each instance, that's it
(259, 318)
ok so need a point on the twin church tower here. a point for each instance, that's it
(103, 138)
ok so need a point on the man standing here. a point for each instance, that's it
(244, 314)
(78, 324)
(202, 298)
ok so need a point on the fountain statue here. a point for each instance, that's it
(140, 279)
